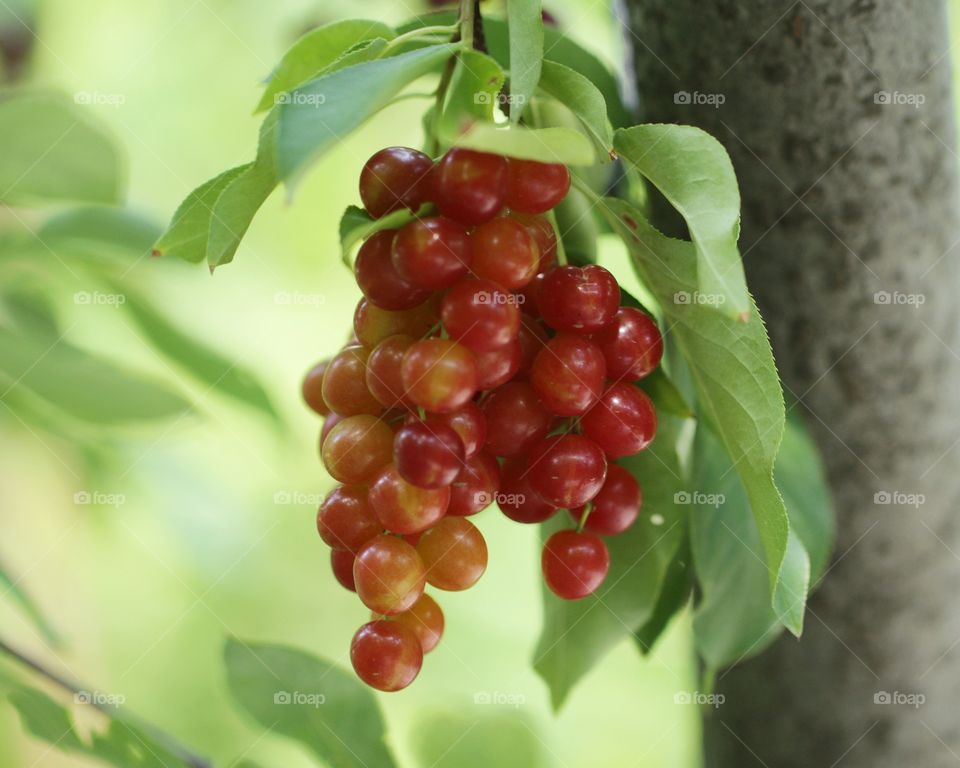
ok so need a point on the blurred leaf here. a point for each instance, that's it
(583, 98)
(317, 50)
(674, 594)
(54, 151)
(31, 311)
(525, 30)
(12, 587)
(545, 145)
(577, 634)
(453, 740)
(45, 719)
(83, 385)
(577, 226)
(665, 394)
(357, 225)
(471, 95)
(310, 700)
(100, 227)
(694, 173)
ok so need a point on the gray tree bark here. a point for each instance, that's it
(849, 200)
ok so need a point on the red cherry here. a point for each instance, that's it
(624, 422)
(480, 314)
(341, 563)
(383, 371)
(428, 455)
(534, 187)
(475, 487)
(469, 186)
(516, 419)
(631, 345)
(533, 338)
(582, 299)
(426, 621)
(402, 507)
(499, 365)
(312, 389)
(345, 519)
(432, 253)
(469, 423)
(567, 470)
(545, 235)
(328, 424)
(345, 384)
(454, 553)
(617, 505)
(379, 279)
(568, 374)
(386, 655)
(517, 499)
(389, 575)
(439, 375)
(395, 178)
(356, 448)
(574, 564)
(505, 252)
(372, 324)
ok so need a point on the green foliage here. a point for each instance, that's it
(460, 740)
(356, 225)
(525, 31)
(12, 587)
(583, 98)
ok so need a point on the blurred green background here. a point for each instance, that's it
(211, 530)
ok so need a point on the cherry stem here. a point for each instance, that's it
(588, 508)
(561, 251)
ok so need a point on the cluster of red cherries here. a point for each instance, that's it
(480, 372)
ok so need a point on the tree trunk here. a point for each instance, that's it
(850, 232)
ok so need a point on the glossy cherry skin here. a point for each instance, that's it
(623, 422)
(386, 655)
(328, 424)
(631, 345)
(454, 553)
(574, 564)
(383, 374)
(616, 507)
(372, 324)
(404, 508)
(516, 419)
(439, 375)
(341, 563)
(379, 279)
(579, 299)
(505, 252)
(534, 187)
(517, 499)
(345, 384)
(432, 253)
(345, 520)
(545, 235)
(568, 374)
(468, 422)
(499, 365)
(532, 338)
(389, 575)
(470, 187)
(475, 487)
(425, 618)
(395, 178)
(312, 389)
(357, 448)
(567, 470)
(480, 314)
(428, 455)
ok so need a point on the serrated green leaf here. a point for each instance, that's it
(525, 28)
(317, 50)
(675, 592)
(545, 145)
(310, 700)
(581, 97)
(322, 112)
(694, 173)
(357, 225)
(577, 634)
(471, 96)
(13, 588)
(478, 740)
(54, 151)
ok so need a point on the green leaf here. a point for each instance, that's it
(96, 228)
(12, 587)
(577, 226)
(475, 740)
(54, 151)
(546, 145)
(310, 700)
(674, 595)
(581, 97)
(473, 92)
(694, 173)
(322, 112)
(356, 225)
(525, 25)
(665, 394)
(577, 634)
(732, 367)
(45, 719)
(317, 50)
(81, 384)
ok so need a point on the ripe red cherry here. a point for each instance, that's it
(345, 519)
(357, 448)
(312, 389)
(545, 235)
(454, 554)
(533, 337)
(426, 620)
(567, 470)
(499, 365)
(389, 575)
(574, 564)
(568, 374)
(432, 253)
(428, 455)
(439, 375)
(517, 499)
(372, 324)
(617, 505)
(383, 370)
(506, 252)
(534, 187)
(379, 279)
(470, 186)
(469, 423)
(475, 487)
(345, 384)
(631, 345)
(395, 178)
(624, 422)
(404, 508)
(581, 299)
(516, 419)
(480, 314)
(341, 563)
(386, 655)
(328, 424)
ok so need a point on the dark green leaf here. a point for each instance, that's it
(45, 719)
(665, 394)
(674, 595)
(525, 25)
(581, 97)
(310, 700)
(471, 95)
(476, 740)
(577, 226)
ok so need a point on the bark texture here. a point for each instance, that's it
(850, 220)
